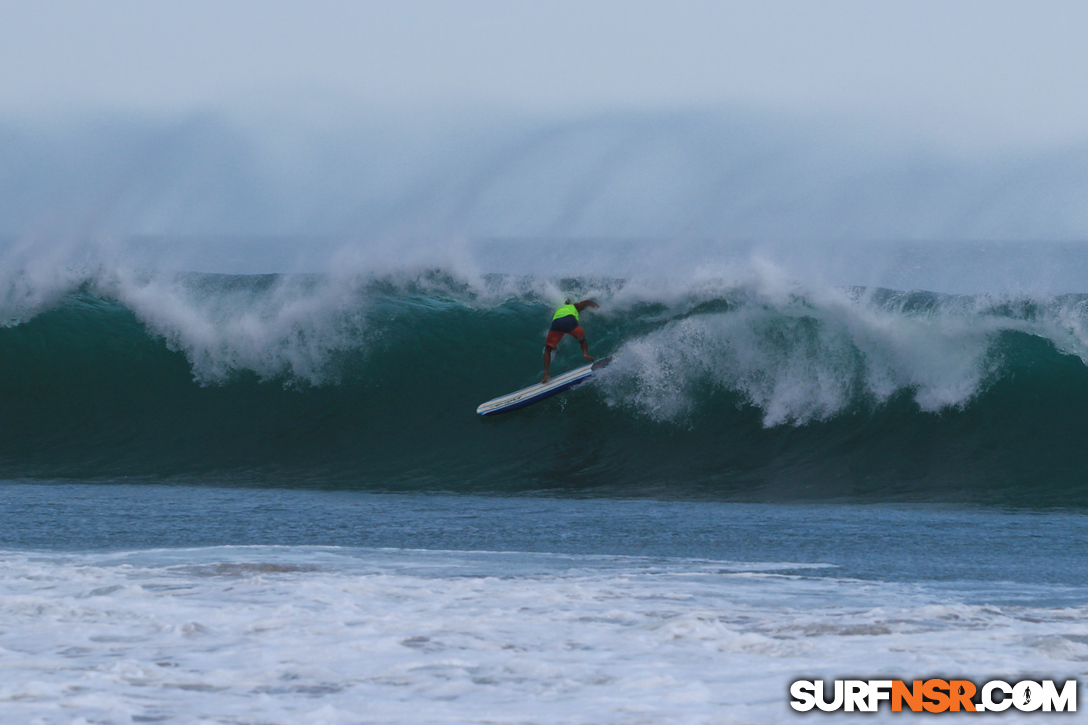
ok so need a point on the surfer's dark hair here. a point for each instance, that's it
(567, 302)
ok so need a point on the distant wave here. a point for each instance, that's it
(753, 388)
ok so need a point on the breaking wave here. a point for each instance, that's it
(751, 387)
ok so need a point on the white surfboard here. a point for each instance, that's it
(536, 393)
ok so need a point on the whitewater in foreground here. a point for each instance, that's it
(482, 609)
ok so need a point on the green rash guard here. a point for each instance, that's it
(564, 311)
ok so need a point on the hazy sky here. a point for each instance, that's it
(964, 71)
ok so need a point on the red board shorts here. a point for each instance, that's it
(564, 326)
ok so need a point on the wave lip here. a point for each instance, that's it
(800, 362)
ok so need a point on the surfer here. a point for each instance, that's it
(565, 322)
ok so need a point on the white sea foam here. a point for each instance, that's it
(288, 329)
(288, 635)
(802, 355)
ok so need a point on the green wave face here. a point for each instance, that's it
(740, 394)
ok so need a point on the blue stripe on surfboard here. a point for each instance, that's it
(540, 391)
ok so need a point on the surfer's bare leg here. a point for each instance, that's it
(585, 352)
(547, 363)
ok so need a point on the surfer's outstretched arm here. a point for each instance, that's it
(582, 307)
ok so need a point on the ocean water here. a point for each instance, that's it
(240, 497)
(165, 603)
